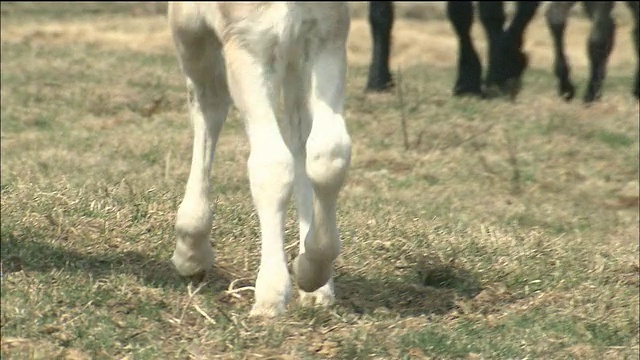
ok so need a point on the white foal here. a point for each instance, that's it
(246, 53)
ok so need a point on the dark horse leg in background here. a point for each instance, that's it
(507, 62)
(600, 44)
(460, 13)
(634, 6)
(556, 15)
(381, 22)
(469, 81)
(381, 19)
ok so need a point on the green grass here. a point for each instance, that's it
(505, 230)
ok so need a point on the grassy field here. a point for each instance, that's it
(496, 230)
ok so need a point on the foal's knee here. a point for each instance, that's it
(328, 158)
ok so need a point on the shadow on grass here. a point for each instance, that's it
(19, 254)
(431, 287)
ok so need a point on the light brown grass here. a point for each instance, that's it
(542, 265)
(424, 37)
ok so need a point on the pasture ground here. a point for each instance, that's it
(496, 230)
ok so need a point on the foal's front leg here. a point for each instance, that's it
(193, 254)
(296, 89)
(328, 154)
(208, 105)
(254, 85)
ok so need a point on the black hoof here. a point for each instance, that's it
(493, 91)
(567, 92)
(383, 87)
(590, 98)
(379, 83)
(509, 88)
(471, 91)
(512, 87)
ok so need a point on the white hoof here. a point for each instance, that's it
(189, 261)
(311, 274)
(324, 296)
(273, 291)
(267, 310)
(193, 253)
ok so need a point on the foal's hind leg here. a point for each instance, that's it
(201, 61)
(601, 41)
(328, 154)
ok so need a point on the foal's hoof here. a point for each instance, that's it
(324, 296)
(189, 262)
(266, 310)
(310, 275)
(197, 278)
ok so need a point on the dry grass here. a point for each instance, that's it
(507, 230)
(421, 34)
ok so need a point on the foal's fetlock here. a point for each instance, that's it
(311, 274)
